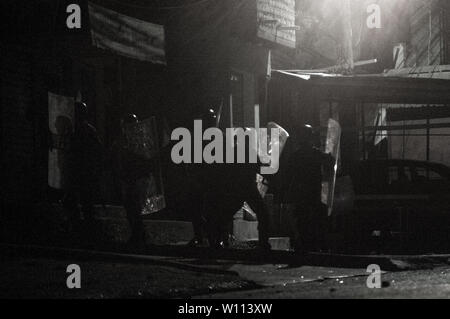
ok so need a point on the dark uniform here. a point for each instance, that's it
(303, 189)
(227, 187)
(84, 162)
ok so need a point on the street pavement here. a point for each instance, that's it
(28, 274)
(172, 270)
(420, 284)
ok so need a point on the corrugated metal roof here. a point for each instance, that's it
(390, 87)
(428, 72)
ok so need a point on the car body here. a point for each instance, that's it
(406, 200)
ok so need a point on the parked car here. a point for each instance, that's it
(401, 204)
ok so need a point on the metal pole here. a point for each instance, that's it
(363, 125)
(330, 109)
(231, 111)
(428, 133)
(120, 83)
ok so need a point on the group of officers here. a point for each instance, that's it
(300, 174)
(86, 158)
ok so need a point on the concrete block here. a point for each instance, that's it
(245, 231)
(280, 243)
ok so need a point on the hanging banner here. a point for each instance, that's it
(61, 126)
(126, 35)
(274, 17)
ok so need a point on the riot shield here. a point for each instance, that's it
(61, 126)
(333, 148)
(264, 151)
(283, 137)
(142, 140)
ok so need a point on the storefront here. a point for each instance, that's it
(95, 64)
(374, 112)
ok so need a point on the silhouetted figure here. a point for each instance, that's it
(200, 210)
(226, 188)
(237, 184)
(84, 162)
(302, 192)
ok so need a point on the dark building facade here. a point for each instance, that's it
(40, 55)
(214, 49)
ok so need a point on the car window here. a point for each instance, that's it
(393, 174)
(425, 173)
(399, 180)
(401, 174)
(435, 176)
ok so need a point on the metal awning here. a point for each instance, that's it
(375, 88)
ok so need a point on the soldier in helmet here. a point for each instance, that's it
(302, 191)
(85, 156)
(132, 170)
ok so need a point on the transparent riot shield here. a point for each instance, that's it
(142, 139)
(283, 136)
(333, 148)
(265, 151)
(61, 126)
(265, 146)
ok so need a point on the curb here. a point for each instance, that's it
(386, 262)
(84, 254)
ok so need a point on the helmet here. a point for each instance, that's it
(209, 118)
(305, 133)
(130, 119)
(81, 111)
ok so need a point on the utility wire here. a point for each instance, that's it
(137, 6)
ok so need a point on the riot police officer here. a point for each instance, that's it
(85, 156)
(302, 191)
(133, 170)
(226, 188)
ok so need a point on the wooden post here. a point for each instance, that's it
(347, 35)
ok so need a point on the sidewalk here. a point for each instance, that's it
(168, 238)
